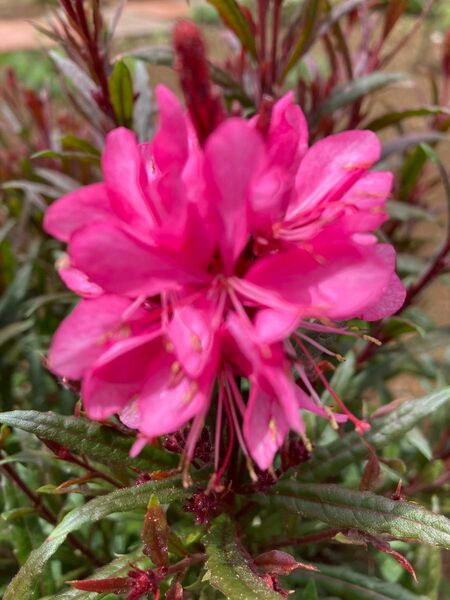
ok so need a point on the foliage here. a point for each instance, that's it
(361, 512)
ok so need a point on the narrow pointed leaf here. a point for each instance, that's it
(167, 490)
(331, 459)
(395, 117)
(232, 16)
(82, 436)
(348, 584)
(228, 567)
(307, 25)
(121, 92)
(356, 89)
(368, 512)
(155, 533)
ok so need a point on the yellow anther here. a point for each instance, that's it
(265, 350)
(332, 418)
(190, 393)
(63, 262)
(124, 331)
(175, 367)
(307, 442)
(196, 343)
(273, 428)
(371, 339)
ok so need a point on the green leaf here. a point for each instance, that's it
(13, 330)
(395, 117)
(419, 441)
(402, 211)
(228, 567)
(67, 155)
(306, 27)
(232, 16)
(410, 140)
(397, 326)
(350, 448)
(347, 584)
(121, 93)
(365, 511)
(17, 290)
(72, 142)
(356, 89)
(86, 437)
(310, 591)
(167, 490)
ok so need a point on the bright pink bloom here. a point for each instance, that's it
(204, 265)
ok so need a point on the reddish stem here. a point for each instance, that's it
(275, 31)
(45, 513)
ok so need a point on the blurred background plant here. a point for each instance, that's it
(382, 65)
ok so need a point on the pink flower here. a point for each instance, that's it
(209, 265)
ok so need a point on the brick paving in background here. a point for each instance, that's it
(138, 18)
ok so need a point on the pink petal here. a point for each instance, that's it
(126, 180)
(85, 334)
(120, 264)
(338, 279)
(169, 399)
(265, 426)
(330, 168)
(276, 325)
(77, 209)
(306, 403)
(361, 209)
(287, 140)
(192, 333)
(233, 152)
(170, 144)
(119, 375)
(77, 281)
(394, 294)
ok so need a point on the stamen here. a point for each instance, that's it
(129, 312)
(218, 432)
(227, 458)
(339, 357)
(258, 295)
(371, 339)
(360, 426)
(236, 392)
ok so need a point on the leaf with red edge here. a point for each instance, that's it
(371, 472)
(117, 585)
(276, 562)
(385, 547)
(155, 533)
(394, 11)
(175, 592)
(233, 17)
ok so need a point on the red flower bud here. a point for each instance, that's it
(205, 108)
(276, 562)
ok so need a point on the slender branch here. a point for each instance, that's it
(275, 31)
(95, 472)
(45, 513)
(187, 562)
(313, 538)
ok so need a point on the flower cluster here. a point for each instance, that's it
(208, 269)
